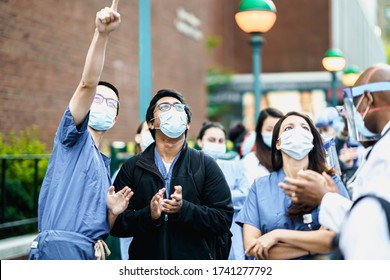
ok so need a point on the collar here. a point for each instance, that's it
(386, 128)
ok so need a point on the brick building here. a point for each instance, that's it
(43, 45)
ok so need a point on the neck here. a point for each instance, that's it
(97, 136)
(168, 148)
(292, 166)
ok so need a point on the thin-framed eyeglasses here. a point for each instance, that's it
(111, 102)
(164, 107)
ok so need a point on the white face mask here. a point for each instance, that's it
(361, 126)
(215, 150)
(267, 139)
(173, 123)
(296, 142)
(101, 117)
(146, 139)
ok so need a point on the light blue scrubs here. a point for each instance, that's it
(267, 205)
(72, 209)
(239, 187)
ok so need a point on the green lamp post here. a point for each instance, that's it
(350, 74)
(333, 61)
(256, 17)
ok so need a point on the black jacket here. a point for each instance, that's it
(207, 209)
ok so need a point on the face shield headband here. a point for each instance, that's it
(357, 131)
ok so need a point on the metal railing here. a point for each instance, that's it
(5, 159)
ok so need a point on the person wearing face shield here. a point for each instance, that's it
(182, 203)
(363, 232)
(211, 139)
(76, 205)
(342, 153)
(275, 226)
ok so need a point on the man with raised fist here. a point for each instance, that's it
(77, 207)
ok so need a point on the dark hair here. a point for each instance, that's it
(207, 125)
(137, 145)
(111, 86)
(317, 160)
(263, 152)
(165, 93)
(236, 135)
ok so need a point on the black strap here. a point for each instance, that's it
(369, 152)
(338, 255)
(383, 202)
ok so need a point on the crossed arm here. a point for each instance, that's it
(284, 243)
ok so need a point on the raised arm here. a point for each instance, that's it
(107, 20)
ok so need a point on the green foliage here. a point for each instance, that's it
(217, 78)
(21, 191)
(387, 46)
(213, 42)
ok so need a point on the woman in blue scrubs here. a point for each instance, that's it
(273, 226)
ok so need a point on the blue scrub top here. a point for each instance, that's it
(73, 194)
(239, 187)
(266, 205)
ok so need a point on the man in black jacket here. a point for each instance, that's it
(182, 203)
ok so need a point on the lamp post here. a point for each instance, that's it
(145, 58)
(333, 62)
(350, 75)
(256, 17)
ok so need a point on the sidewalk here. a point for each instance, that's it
(16, 247)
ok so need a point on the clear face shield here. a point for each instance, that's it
(331, 154)
(357, 131)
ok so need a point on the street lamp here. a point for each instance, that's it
(256, 17)
(333, 62)
(350, 75)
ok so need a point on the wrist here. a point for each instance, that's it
(278, 234)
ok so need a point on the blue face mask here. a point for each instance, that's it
(146, 140)
(296, 142)
(101, 117)
(173, 123)
(267, 139)
(360, 125)
(215, 150)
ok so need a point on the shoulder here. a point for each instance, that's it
(250, 158)
(369, 207)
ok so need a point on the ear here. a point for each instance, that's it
(151, 125)
(115, 120)
(278, 144)
(199, 142)
(137, 138)
(370, 99)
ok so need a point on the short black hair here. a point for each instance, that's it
(111, 86)
(166, 93)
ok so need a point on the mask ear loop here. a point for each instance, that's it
(358, 105)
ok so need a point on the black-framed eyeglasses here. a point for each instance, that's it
(111, 102)
(164, 107)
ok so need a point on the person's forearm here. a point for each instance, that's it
(86, 90)
(94, 61)
(282, 251)
(333, 210)
(317, 241)
(111, 219)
